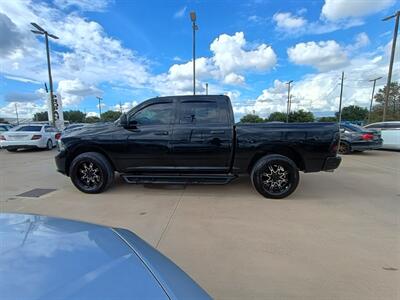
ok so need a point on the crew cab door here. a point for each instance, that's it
(148, 142)
(202, 136)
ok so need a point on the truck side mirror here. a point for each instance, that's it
(123, 120)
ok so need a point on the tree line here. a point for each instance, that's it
(76, 116)
(349, 113)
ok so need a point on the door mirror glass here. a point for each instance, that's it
(123, 120)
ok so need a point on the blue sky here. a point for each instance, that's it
(128, 51)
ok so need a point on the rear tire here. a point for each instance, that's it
(49, 145)
(275, 176)
(91, 173)
(344, 148)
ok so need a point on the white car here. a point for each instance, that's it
(29, 136)
(390, 132)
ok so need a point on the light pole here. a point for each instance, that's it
(288, 101)
(16, 112)
(194, 27)
(206, 88)
(389, 78)
(99, 98)
(372, 97)
(41, 31)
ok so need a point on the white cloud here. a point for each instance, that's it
(230, 55)
(22, 79)
(125, 107)
(180, 13)
(73, 91)
(92, 114)
(287, 21)
(25, 109)
(84, 5)
(89, 54)
(334, 10)
(324, 55)
(232, 58)
(234, 79)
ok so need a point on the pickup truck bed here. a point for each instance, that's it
(193, 139)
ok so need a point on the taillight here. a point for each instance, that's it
(58, 135)
(367, 136)
(36, 137)
(2, 138)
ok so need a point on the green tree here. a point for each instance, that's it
(277, 117)
(249, 118)
(301, 116)
(41, 116)
(74, 116)
(110, 115)
(327, 119)
(353, 113)
(92, 119)
(393, 109)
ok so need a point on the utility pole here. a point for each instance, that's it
(194, 27)
(288, 101)
(41, 31)
(389, 78)
(99, 98)
(340, 100)
(372, 97)
(16, 112)
(120, 107)
(206, 88)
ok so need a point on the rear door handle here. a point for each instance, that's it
(161, 133)
(217, 131)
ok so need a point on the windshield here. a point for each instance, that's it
(29, 128)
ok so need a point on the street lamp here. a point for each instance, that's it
(372, 97)
(288, 101)
(194, 27)
(99, 98)
(41, 31)
(389, 79)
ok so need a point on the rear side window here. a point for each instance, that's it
(29, 128)
(377, 125)
(392, 126)
(199, 112)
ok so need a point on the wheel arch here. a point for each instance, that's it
(84, 149)
(285, 151)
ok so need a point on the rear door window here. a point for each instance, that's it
(199, 112)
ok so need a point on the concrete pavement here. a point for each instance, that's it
(336, 237)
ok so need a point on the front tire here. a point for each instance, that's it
(275, 176)
(91, 173)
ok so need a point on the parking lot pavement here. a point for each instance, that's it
(336, 237)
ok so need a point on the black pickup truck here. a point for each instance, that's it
(194, 140)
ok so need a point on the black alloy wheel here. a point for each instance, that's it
(275, 176)
(91, 173)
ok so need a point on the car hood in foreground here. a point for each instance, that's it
(50, 258)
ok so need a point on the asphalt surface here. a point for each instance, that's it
(336, 237)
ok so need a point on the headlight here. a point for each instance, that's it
(60, 145)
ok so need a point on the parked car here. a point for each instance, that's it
(390, 132)
(356, 138)
(29, 136)
(193, 139)
(52, 258)
(5, 127)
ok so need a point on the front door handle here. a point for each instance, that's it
(161, 133)
(217, 131)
